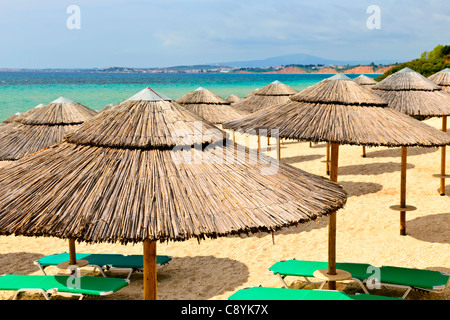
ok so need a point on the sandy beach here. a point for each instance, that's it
(367, 231)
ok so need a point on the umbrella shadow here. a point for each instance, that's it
(447, 190)
(195, 278)
(360, 188)
(396, 152)
(298, 159)
(19, 263)
(431, 228)
(372, 168)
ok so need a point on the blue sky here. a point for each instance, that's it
(158, 33)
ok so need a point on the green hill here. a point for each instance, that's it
(428, 63)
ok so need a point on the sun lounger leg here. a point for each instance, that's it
(282, 280)
(16, 295)
(41, 267)
(361, 284)
(321, 286)
(406, 293)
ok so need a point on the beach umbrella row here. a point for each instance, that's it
(119, 178)
(411, 93)
(339, 111)
(41, 127)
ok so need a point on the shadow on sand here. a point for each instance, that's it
(431, 228)
(360, 188)
(396, 152)
(372, 168)
(304, 158)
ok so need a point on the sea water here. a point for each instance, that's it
(21, 91)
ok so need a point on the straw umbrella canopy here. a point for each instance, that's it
(339, 111)
(210, 106)
(12, 118)
(9, 122)
(42, 127)
(442, 79)
(125, 176)
(233, 98)
(410, 92)
(364, 80)
(251, 93)
(274, 93)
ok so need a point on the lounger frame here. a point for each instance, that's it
(48, 293)
(363, 284)
(105, 268)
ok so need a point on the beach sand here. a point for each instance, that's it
(367, 231)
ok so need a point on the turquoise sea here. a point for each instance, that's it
(21, 91)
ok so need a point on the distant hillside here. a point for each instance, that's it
(429, 62)
(324, 69)
(294, 59)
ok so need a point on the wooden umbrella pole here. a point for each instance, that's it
(443, 152)
(259, 143)
(72, 252)
(332, 219)
(149, 276)
(328, 158)
(364, 151)
(403, 192)
(278, 149)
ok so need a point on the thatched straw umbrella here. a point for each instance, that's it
(233, 98)
(364, 80)
(442, 79)
(251, 93)
(210, 106)
(409, 92)
(42, 127)
(9, 122)
(339, 111)
(12, 118)
(274, 93)
(126, 176)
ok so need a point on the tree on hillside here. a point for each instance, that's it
(428, 63)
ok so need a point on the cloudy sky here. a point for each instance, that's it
(158, 33)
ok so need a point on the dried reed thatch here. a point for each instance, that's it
(337, 110)
(210, 106)
(41, 127)
(409, 92)
(275, 93)
(233, 98)
(108, 107)
(442, 79)
(12, 118)
(251, 93)
(364, 80)
(9, 122)
(116, 179)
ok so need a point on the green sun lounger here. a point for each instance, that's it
(264, 293)
(61, 284)
(103, 262)
(407, 278)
